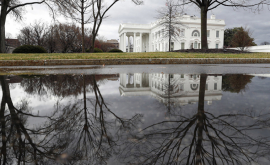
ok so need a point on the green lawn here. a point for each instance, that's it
(127, 55)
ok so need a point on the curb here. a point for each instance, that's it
(135, 61)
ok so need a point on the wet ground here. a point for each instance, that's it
(158, 114)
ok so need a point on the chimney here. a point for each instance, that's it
(213, 16)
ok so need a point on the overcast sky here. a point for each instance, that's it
(127, 12)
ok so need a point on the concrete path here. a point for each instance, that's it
(136, 61)
(116, 69)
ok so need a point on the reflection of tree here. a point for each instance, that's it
(92, 132)
(201, 138)
(235, 83)
(59, 85)
(20, 143)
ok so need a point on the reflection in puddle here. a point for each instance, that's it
(156, 119)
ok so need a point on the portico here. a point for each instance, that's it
(136, 36)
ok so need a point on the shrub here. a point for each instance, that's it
(116, 51)
(97, 50)
(29, 49)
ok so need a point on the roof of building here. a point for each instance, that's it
(112, 41)
(185, 19)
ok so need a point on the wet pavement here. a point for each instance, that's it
(161, 114)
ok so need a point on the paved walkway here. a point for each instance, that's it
(136, 61)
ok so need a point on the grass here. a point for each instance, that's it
(127, 55)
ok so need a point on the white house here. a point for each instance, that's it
(177, 89)
(148, 37)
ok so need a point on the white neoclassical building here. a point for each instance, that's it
(148, 37)
(178, 89)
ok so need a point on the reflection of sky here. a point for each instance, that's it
(255, 97)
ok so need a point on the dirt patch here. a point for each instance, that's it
(232, 51)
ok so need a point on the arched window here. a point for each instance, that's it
(194, 87)
(196, 33)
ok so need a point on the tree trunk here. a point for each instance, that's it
(201, 117)
(82, 16)
(204, 27)
(169, 43)
(93, 42)
(3, 16)
(3, 125)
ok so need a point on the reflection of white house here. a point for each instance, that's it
(148, 37)
(174, 88)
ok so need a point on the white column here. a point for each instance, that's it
(150, 43)
(134, 42)
(128, 37)
(140, 42)
(125, 44)
(121, 43)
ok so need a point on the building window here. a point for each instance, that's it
(196, 33)
(206, 87)
(199, 46)
(215, 86)
(171, 75)
(194, 87)
(208, 33)
(172, 46)
(195, 45)
(217, 34)
(182, 45)
(182, 75)
(217, 46)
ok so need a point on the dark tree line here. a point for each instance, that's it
(60, 38)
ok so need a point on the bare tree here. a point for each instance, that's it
(38, 33)
(169, 19)
(13, 7)
(80, 11)
(50, 38)
(207, 5)
(26, 36)
(67, 37)
(99, 11)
